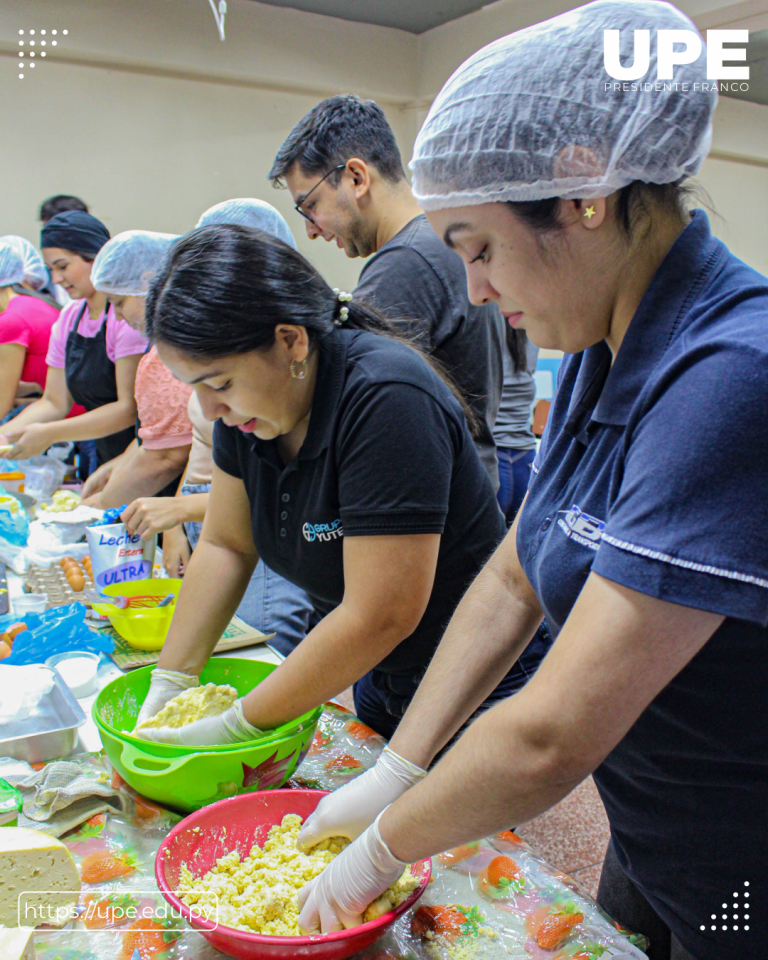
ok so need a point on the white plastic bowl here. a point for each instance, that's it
(77, 668)
(29, 603)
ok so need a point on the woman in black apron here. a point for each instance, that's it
(81, 369)
(90, 376)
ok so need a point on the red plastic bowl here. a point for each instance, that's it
(247, 819)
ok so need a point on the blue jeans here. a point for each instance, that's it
(13, 413)
(381, 699)
(271, 603)
(514, 476)
(89, 458)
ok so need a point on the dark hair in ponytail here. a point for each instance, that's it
(224, 288)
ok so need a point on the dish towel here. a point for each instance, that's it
(62, 795)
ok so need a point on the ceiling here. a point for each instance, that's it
(757, 58)
(415, 16)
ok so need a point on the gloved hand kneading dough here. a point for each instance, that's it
(352, 809)
(165, 685)
(228, 727)
(338, 897)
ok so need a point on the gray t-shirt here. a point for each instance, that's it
(512, 429)
(415, 278)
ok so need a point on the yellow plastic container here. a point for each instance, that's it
(13, 482)
(144, 628)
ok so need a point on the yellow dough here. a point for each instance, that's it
(260, 892)
(62, 502)
(194, 704)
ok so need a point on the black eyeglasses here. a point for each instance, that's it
(306, 197)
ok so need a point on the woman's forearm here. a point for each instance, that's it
(94, 424)
(500, 614)
(502, 772)
(144, 474)
(214, 584)
(616, 652)
(335, 654)
(44, 410)
(192, 507)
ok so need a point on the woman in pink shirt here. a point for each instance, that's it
(157, 456)
(92, 355)
(26, 319)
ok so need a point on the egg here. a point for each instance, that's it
(259, 892)
(5, 650)
(77, 582)
(66, 561)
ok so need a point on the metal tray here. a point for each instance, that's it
(52, 740)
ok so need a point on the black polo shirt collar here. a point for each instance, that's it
(325, 402)
(604, 392)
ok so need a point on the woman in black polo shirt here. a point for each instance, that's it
(341, 458)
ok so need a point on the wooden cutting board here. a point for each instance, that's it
(237, 634)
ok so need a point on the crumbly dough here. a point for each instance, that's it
(62, 502)
(208, 700)
(260, 892)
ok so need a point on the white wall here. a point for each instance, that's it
(148, 116)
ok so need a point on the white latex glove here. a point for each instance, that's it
(352, 809)
(165, 685)
(338, 897)
(228, 727)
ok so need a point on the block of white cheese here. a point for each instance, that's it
(39, 882)
(17, 944)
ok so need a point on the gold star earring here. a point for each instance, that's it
(590, 212)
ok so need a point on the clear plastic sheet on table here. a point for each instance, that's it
(462, 916)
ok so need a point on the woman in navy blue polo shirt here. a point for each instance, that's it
(341, 458)
(643, 537)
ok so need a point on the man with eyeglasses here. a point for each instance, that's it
(343, 168)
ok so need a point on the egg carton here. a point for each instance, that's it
(52, 581)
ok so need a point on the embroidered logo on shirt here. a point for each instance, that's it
(323, 531)
(581, 527)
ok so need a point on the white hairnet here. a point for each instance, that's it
(126, 264)
(529, 116)
(250, 213)
(14, 249)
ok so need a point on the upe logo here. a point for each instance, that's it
(581, 527)
(667, 57)
(323, 531)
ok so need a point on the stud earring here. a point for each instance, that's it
(299, 369)
(590, 212)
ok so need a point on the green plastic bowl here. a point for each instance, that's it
(188, 778)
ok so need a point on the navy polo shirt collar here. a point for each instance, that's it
(605, 392)
(328, 390)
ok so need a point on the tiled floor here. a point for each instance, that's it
(571, 836)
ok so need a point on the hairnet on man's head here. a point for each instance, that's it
(248, 212)
(33, 266)
(536, 115)
(126, 265)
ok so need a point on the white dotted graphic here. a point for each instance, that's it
(735, 906)
(28, 47)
